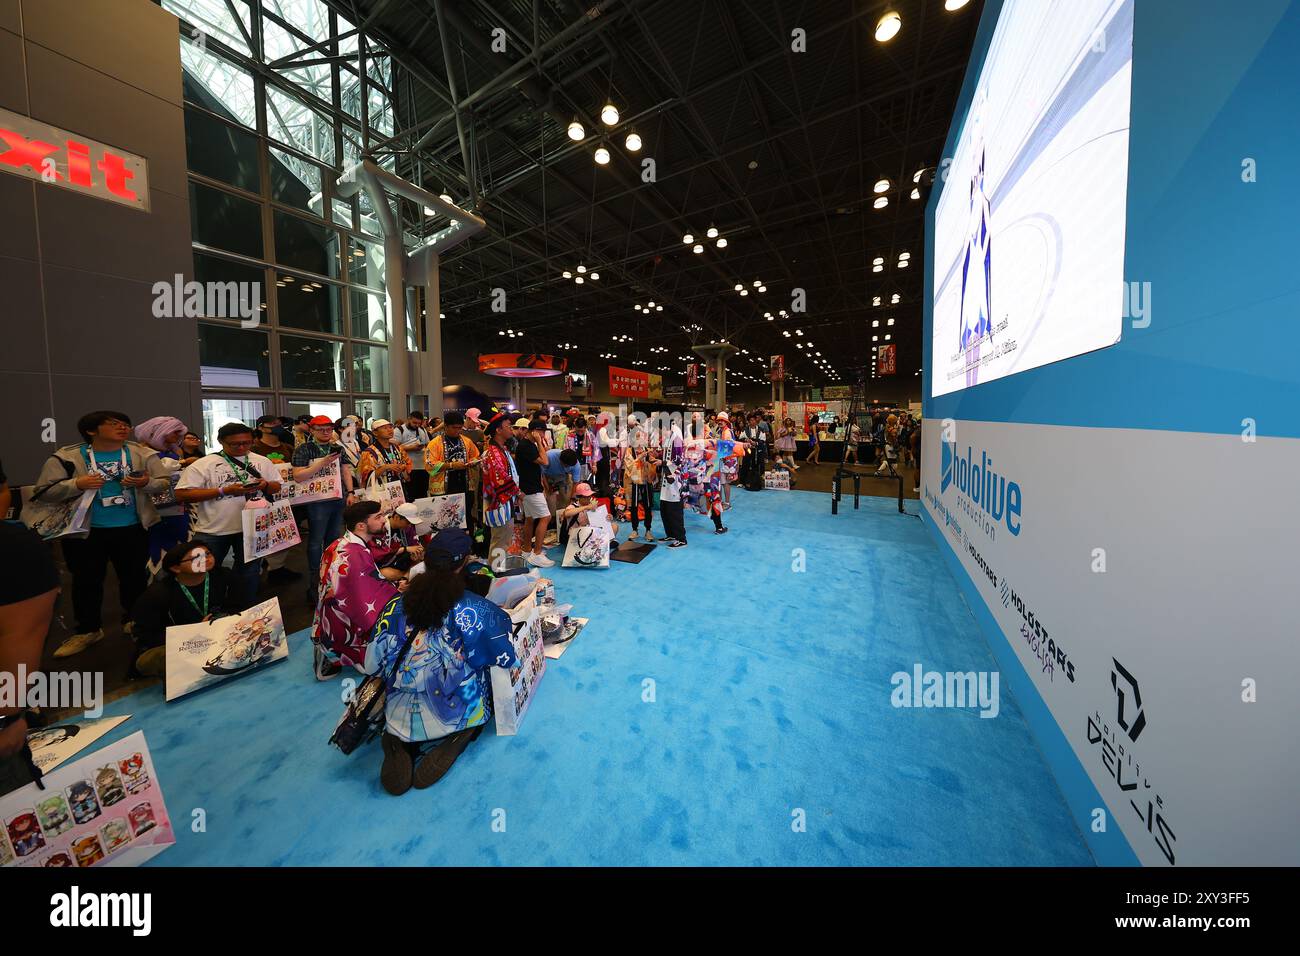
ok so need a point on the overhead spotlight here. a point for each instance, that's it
(894, 299)
(633, 142)
(877, 268)
(595, 276)
(951, 5)
(890, 322)
(739, 287)
(576, 131)
(722, 243)
(447, 199)
(904, 255)
(888, 337)
(712, 232)
(757, 283)
(578, 279)
(567, 274)
(659, 308)
(882, 185)
(582, 268)
(875, 323)
(697, 248)
(429, 212)
(916, 193)
(688, 239)
(881, 202)
(903, 263)
(887, 27)
(602, 156)
(769, 317)
(876, 300)
(744, 292)
(650, 304)
(878, 261)
(762, 288)
(609, 114)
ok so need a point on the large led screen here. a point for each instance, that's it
(1029, 227)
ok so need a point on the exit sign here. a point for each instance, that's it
(51, 155)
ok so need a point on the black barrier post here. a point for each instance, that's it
(857, 476)
(835, 494)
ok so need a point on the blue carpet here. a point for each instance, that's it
(769, 699)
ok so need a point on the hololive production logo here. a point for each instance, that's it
(77, 909)
(57, 689)
(987, 497)
(923, 688)
(208, 300)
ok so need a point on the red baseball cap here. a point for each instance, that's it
(321, 420)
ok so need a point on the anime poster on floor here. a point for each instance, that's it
(327, 486)
(268, 530)
(442, 511)
(56, 743)
(513, 690)
(105, 809)
(200, 655)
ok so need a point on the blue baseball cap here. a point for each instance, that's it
(448, 548)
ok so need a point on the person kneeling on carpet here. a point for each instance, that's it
(435, 643)
(352, 591)
(577, 515)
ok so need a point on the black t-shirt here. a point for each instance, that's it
(530, 473)
(163, 604)
(26, 565)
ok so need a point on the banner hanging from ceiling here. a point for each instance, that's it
(778, 368)
(887, 359)
(693, 375)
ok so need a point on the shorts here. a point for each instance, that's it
(535, 506)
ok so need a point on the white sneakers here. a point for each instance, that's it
(540, 560)
(649, 536)
(78, 643)
(633, 536)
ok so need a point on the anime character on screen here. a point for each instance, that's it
(976, 268)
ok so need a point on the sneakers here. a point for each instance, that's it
(676, 544)
(323, 667)
(434, 765)
(396, 772)
(719, 530)
(540, 560)
(152, 663)
(79, 642)
(649, 536)
(633, 536)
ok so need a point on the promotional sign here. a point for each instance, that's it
(886, 359)
(1128, 614)
(442, 511)
(326, 486)
(778, 368)
(522, 365)
(56, 743)
(104, 809)
(693, 375)
(207, 653)
(655, 387)
(778, 480)
(628, 381)
(514, 689)
(268, 530)
(36, 150)
(837, 392)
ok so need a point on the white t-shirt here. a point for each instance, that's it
(221, 515)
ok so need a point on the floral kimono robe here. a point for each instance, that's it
(352, 596)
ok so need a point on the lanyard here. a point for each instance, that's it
(240, 473)
(94, 463)
(207, 580)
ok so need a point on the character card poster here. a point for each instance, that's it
(56, 743)
(105, 809)
(327, 486)
(442, 511)
(200, 655)
(268, 530)
(513, 689)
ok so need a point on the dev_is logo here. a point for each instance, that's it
(997, 496)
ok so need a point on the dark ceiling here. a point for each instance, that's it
(779, 150)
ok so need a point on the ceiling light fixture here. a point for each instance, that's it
(887, 27)
(576, 131)
(722, 242)
(697, 248)
(881, 202)
(602, 156)
(633, 142)
(688, 239)
(609, 114)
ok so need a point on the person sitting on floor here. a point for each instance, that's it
(191, 589)
(434, 645)
(578, 515)
(352, 592)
